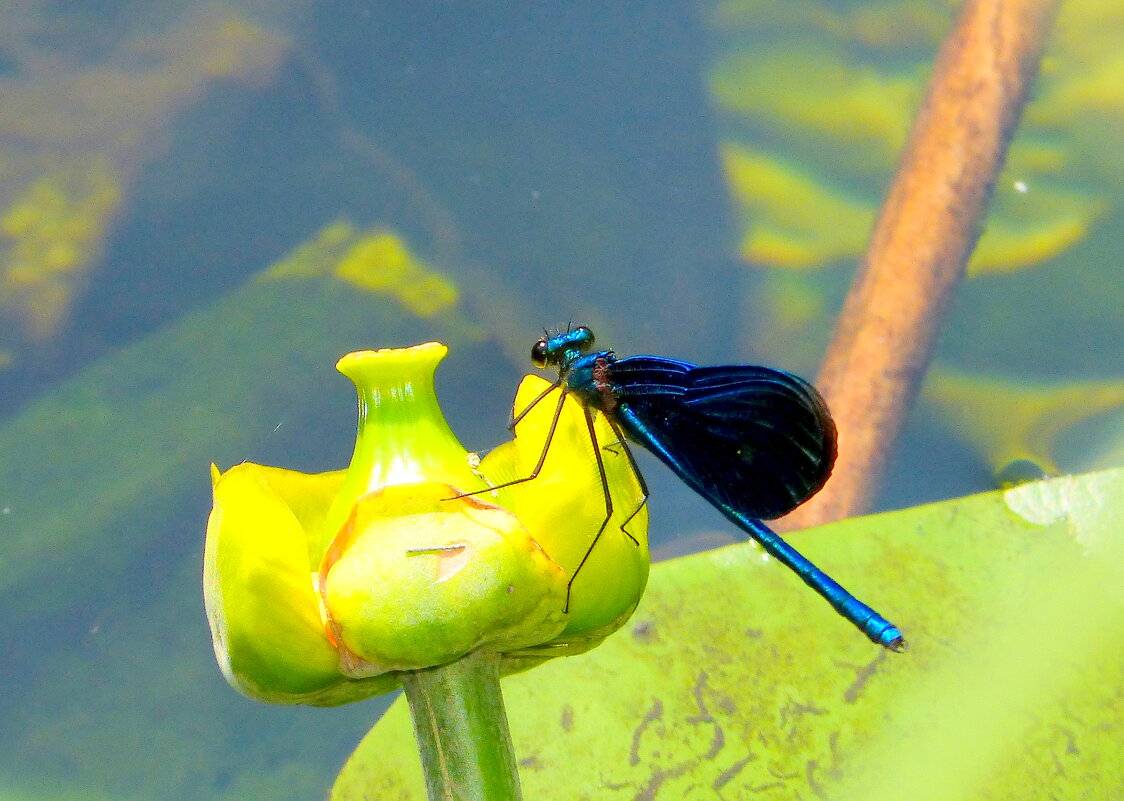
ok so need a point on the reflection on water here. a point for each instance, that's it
(694, 182)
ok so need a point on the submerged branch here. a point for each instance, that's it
(922, 240)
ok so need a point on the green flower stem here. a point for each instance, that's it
(461, 728)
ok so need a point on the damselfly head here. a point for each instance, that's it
(561, 349)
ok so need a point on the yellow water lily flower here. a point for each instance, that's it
(322, 589)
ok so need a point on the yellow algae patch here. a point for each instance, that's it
(230, 46)
(1033, 156)
(317, 256)
(1083, 78)
(374, 260)
(820, 98)
(1031, 221)
(121, 107)
(1095, 91)
(1005, 247)
(49, 236)
(74, 136)
(889, 24)
(792, 218)
(1010, 421)
(806, 90)
(381, 262)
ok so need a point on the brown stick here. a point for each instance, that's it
(925, 233)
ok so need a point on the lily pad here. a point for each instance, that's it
(733, 681)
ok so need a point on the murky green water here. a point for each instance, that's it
(690, 181)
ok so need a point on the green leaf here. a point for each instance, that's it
(733, 681)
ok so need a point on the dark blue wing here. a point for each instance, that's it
(750, 439)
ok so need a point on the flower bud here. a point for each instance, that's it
(322, 588)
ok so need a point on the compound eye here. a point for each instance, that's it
(539, 354)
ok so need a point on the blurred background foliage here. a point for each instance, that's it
(203, 204)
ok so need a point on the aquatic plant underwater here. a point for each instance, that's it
(730, 679)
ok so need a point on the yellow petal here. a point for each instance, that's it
(257, 586)
(564, 507)
(416, 579)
